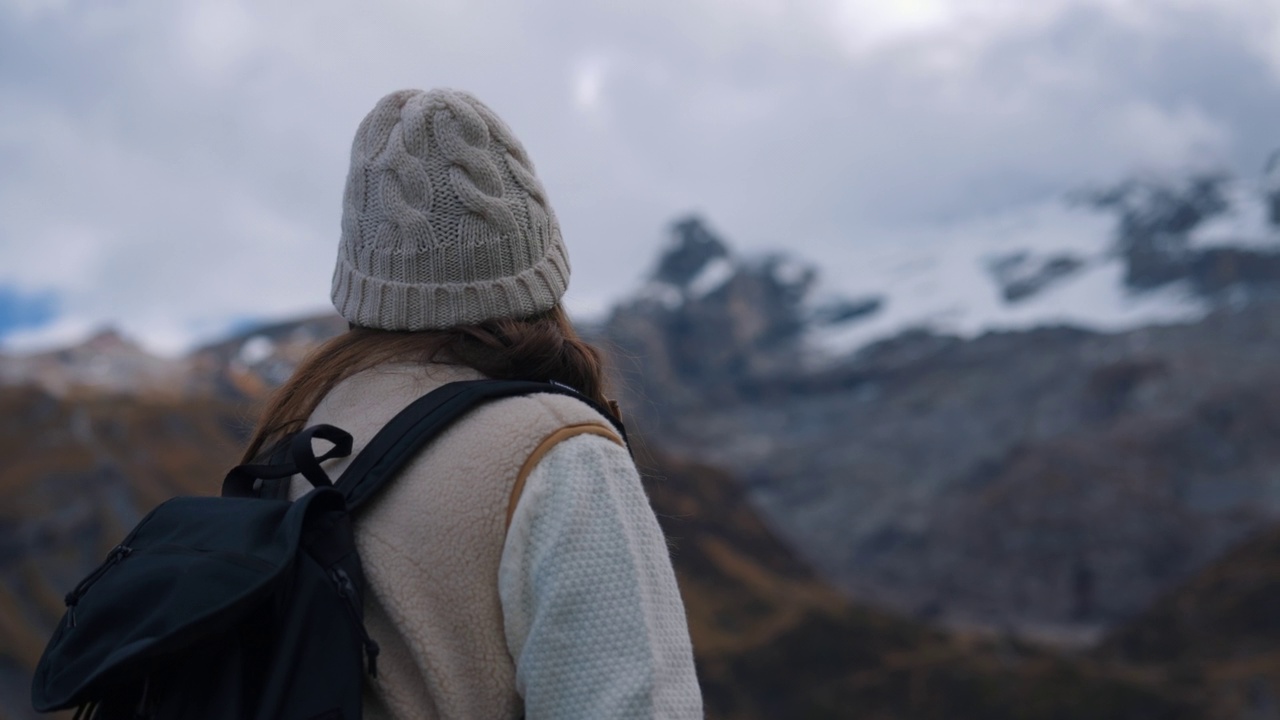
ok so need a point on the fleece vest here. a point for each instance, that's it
(432, 540)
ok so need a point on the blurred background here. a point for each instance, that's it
(950, 329)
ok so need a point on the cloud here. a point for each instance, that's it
(172, 166)
(589, 76)
(216, 36)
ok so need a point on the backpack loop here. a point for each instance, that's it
(247, 480)
(304, 455)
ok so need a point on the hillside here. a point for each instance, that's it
(771, 639)
(1218, 634)
(77, 473)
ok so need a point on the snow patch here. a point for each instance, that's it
(711, 277)
(1244, 224)
(664, 294)
(790, 273)
(256, 349)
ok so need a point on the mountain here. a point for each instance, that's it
(246, 365)
(107, 361)
(1049, 481)
(1024, 437)
(1140, 253)
(1054, 477)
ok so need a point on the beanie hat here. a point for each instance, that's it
(443, 220)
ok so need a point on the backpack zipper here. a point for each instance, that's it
(347, 590)
(117, 554)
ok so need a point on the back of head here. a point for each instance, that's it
(444, 222)
(449, 250)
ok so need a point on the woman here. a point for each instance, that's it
(515, 567)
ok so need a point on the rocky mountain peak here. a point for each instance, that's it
(1155, 221)
(1151, 210)
(1156, 236)
(712, 318)
(109, 339)
(107, 360)
(692, 250)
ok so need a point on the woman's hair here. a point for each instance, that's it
(543, 347)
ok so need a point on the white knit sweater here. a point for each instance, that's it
(570, 612)
(593, 616)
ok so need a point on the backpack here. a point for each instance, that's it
(245, 606)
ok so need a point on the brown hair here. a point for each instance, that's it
(543, 347)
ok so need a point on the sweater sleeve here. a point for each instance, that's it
(592, 614)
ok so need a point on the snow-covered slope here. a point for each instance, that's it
(1142, 253)
(1058, 260)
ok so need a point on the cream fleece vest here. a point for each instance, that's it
(431, 541)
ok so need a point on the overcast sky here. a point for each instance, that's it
(175, 168)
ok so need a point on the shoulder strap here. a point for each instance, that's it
(399, 441)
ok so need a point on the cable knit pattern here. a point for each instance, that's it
(434, 544)
(444, 220)
(592, 611)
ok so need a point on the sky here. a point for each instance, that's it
(174, 168)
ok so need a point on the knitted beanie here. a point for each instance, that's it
(443, 221)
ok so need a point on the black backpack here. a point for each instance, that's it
(246, 606)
